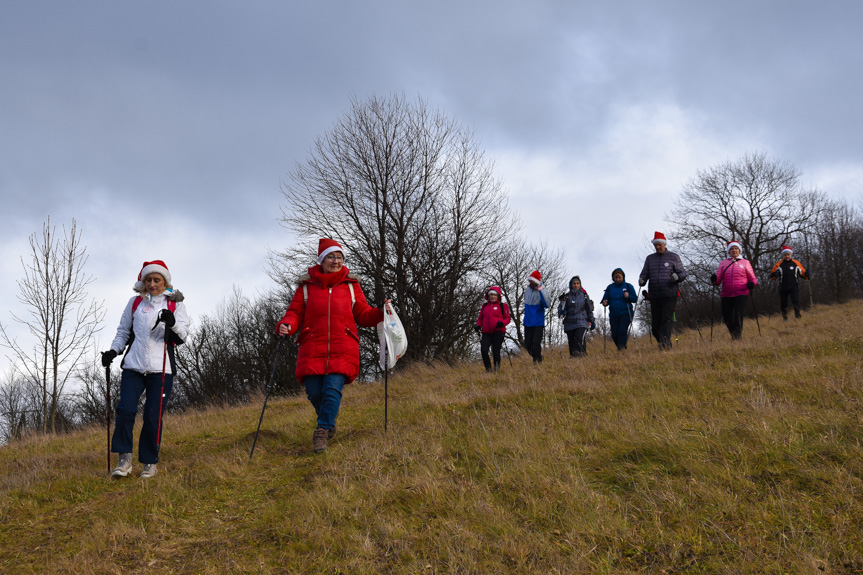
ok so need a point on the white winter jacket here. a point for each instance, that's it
(146, 353)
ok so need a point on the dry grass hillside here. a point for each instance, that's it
(738, 457)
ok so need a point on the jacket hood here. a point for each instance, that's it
(572, 279)
(496, 290)
(618, 270)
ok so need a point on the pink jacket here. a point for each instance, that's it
(732, 275)
(491, 313)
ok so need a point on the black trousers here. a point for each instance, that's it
(662, 319)
(577, 341)
(795, 299)
(533, 342)
(619, 330)
(733, 309)
(495, 342)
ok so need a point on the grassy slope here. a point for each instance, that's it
(740, 458)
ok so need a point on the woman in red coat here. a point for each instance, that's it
(324, 312)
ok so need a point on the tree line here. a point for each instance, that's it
(412, 197)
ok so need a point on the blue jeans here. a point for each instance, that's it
(325, 393)
(132, 385)
(619, 330)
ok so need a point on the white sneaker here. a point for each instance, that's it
(149, 470)
(124, 466)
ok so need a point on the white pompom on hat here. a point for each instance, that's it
(153, 267)
(327, 246)
(732, 244)
(786, 250)
(658, 238)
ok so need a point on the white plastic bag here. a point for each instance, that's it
(394, 340)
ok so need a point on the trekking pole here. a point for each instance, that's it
(607, 326)
(267, 395)
(632, 320)
(751, 297)
(108, 411)
(682, 297)
(386, 385)
(162, 389)
(712, 304)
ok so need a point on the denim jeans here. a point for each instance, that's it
(325, 394)
(132, 385)
(619, 330)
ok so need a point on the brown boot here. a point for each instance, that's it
(319, 440)
(332, 433)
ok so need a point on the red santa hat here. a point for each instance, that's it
(153, 267)
(327, 246)
(786, 250)
(535, 277)
(731, 244)
(659, 238)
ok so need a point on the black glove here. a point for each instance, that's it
(499, 325)
(167, 316)
(108, 357)
(775, 274)
(714, 279)
(750, 285)
(477, 329)
(592, 325)
(641, 282)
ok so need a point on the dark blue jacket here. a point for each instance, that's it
(658, 269)
(617, 304)
(574, 309)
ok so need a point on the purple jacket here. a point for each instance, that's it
(732, 275)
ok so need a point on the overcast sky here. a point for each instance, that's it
(165, 128)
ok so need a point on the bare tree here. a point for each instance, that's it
(754, 200)
(62, 321)
(838, 240)
(414, 201)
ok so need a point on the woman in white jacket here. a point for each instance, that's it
(153, 322)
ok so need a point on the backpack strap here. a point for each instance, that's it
(172, 305)
(350, 287)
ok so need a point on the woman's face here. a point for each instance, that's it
(154, 283)
(333, 262)
(576, 285)
(734, 251)
(617, 278)
(492, 296)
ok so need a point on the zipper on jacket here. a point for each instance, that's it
(329, 329)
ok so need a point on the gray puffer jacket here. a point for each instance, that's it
(658, 269)
(574, 309)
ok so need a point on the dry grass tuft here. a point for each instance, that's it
(730, 457)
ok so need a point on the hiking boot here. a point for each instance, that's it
(784, 316)
(149, 470)
(797, 314)
(319, 439)
(332, 432)
(124, 466)
(497, 366)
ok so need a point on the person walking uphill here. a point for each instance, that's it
(737, 279)
(664, 270)
(153, 322)
(788, 271)
(535, 304)
(491, 324)
(619, 298)
(576, 311)
(324, 312)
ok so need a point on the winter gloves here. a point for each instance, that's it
(674, 277)
(592, 325)
(108, 357)
(750, 285)
(499, 325)
(477, 329)
(714, 280)
(167, 316)
(642, 282)
(775, 274)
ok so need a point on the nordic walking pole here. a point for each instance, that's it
(267, 395)
(751, 297)
(712, 303)
(605, 321)
(386, 385)
(632, 320)
(108, 411)
(682, 297)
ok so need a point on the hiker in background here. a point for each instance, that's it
(535, 304)
(788, 271)
(664, 270)
(576, 311)
(619, 298)
(324, 312)
(491, 325)
(737, 279)
(156, 308)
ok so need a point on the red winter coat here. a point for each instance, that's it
(491, 313)
(328, 338)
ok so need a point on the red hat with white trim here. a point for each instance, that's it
(732, 244)
(535, 277)
(153, 267)
(659, 238)
(786, 250)
(327, 246)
